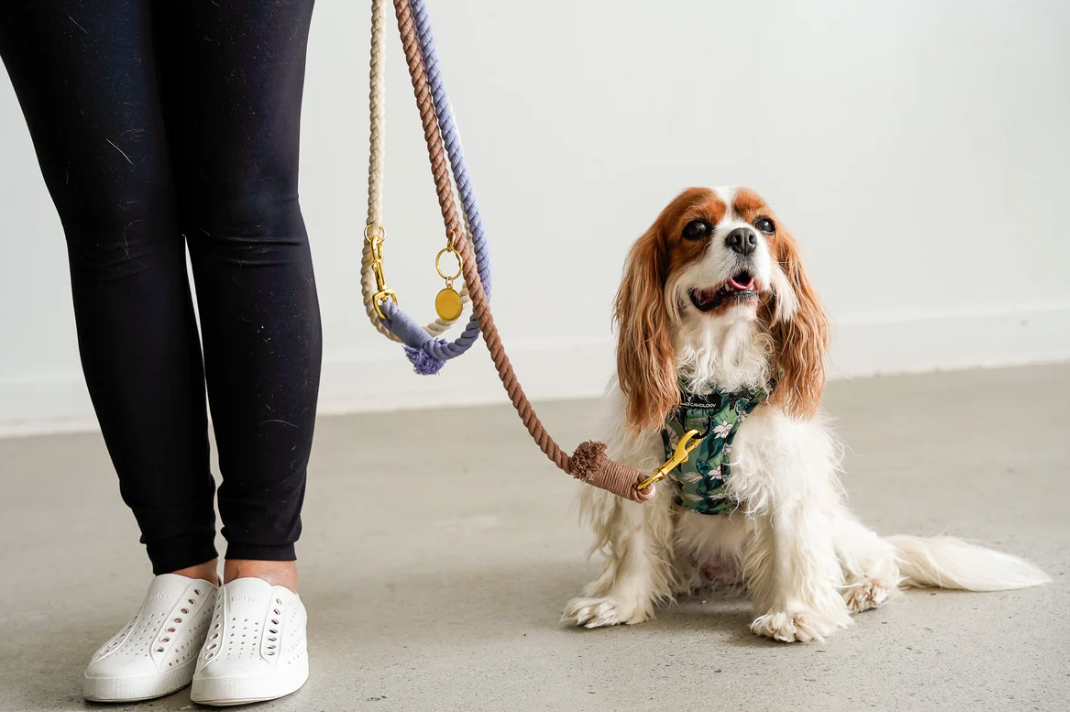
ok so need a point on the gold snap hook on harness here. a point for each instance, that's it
(375, 234)
(688, 442)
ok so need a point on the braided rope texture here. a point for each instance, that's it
(377, 149)
(400, 323)
(377, 114)
(590, 463)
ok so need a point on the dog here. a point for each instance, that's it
(716, 310)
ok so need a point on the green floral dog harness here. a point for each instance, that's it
(702, 481)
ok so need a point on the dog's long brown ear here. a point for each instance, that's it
(799, 325)
(644, 343)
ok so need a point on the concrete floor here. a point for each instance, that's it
(434, 582)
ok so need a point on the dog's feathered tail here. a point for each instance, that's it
(947, 562)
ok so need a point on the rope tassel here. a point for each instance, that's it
(424, 363)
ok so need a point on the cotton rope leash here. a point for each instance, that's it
(427, 353)
(372, 279)
(589, 462)
(438, 119)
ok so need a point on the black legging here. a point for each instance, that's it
(154, 121)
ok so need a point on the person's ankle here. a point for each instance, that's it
(277, 573)
(209, 571)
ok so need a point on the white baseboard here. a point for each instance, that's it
(46, 404)
(951, 342)
(352, 383)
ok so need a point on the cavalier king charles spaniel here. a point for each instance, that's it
(716, 313)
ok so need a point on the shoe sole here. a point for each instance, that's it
(136, 689)
(231, 691)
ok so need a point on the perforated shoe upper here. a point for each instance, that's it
(256, 628)
(166, 633)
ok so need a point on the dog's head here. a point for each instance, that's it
(717, 262)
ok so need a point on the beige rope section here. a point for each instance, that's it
(589, 462)
(377, 149)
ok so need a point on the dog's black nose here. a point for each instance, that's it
(742, 240)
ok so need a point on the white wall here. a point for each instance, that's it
(918, 148)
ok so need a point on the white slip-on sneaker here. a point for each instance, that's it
(255, 649)
(155, 654)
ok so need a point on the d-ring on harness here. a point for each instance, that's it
(589, 462)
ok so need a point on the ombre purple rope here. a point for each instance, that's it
(427, 353)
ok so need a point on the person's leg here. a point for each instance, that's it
(85, 75)
(232, 76)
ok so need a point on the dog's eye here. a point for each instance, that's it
(697, 229)
(765, 225)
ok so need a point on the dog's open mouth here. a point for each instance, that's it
(742, 288)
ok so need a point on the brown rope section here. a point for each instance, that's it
(435, 149)
(589, 462)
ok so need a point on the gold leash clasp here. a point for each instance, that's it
(688, 442)
(375, 234)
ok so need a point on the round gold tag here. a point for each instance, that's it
(448, 304)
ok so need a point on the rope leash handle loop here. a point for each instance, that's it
(589, 462)
(372, 281)
(441, 136)
(435, 113)
(427, 353)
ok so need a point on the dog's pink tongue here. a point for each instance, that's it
(741, 287)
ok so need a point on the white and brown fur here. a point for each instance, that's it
(805, 560)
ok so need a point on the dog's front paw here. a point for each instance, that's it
(599, 612)
(800, 626)
(866, 593)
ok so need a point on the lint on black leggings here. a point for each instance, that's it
(161, 125)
